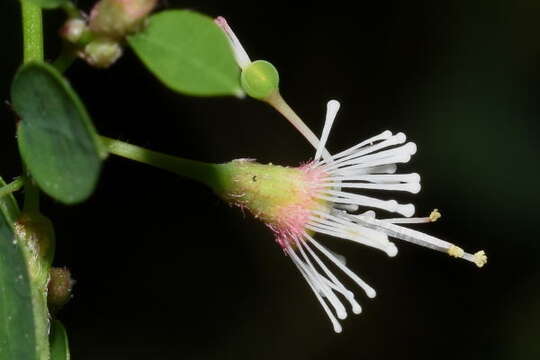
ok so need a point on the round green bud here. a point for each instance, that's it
(260, 79)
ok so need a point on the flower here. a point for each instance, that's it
(318, 197)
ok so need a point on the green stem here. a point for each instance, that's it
(196, 170)
(11, 187)
(32, 31)
(65, 59)
(32, 25)
(31, 195)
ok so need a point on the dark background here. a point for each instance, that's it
(165, 270)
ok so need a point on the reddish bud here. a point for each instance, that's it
(117, 18)
(60, 287)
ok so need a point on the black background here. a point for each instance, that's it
(165, 270)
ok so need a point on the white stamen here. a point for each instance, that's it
(407, 149)
(403, 233)
(416, 220)
(413, 188)
(341, 197)
(356, 308)
(418, 238)
(382, 136)
(347, 207)
(381, 179)
(353, 236)
(340, 257)
(332, 107)
(383, 169)
(434, 216)
(396, 155)
(335, 322)
(337, 223)
(356, 169)
(339, 227)
(319, 279)
(240, 54)
(370, 292)
(391, 141)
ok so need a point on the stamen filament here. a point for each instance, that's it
(349, 295)
(382, 136)
(335, 322)
(391, 141)
(332, 107)
(421, 239)
(370, 292)
(319, 279)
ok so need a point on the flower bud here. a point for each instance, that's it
(75, 31)
(37, 235)
(260, 79)
(117, 18)
(101, 53)
(60, 287)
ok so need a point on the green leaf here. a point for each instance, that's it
(48, 4)
(59, 342)
(56, 137)
(188, 53)
(23, 323)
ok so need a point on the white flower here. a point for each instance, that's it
(321, 197)
(318, 197)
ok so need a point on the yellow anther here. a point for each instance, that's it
(480, 258)
(455, 251)
(435, 215)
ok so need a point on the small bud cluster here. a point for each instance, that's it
(98, 38)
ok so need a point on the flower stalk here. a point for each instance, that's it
(196, 170)
(278, 103)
